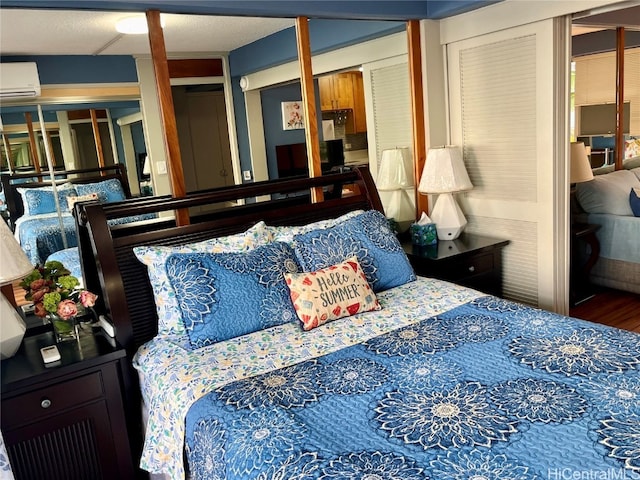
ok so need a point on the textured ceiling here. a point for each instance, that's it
(60, 32)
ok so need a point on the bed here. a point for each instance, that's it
(423, 379)
(33, 213)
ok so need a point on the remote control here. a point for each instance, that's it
(50, 354)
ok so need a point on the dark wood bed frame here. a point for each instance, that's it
(11, 183)
(111, 269)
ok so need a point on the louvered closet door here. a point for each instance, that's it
(502, 97)
(388, 107)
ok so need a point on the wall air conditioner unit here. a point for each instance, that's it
(19, 80)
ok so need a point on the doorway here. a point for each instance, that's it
(203, 134)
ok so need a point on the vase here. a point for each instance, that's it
(64, 330)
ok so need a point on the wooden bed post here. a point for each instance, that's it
(96, 137)
(417, 110)
(309, 103)
(163, 86)
(619, 97)
(32, 142)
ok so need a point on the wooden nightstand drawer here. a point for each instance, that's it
(468, 267)
(470, 260)
(51, 400)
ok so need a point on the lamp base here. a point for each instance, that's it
(449, 219)
(12, 329)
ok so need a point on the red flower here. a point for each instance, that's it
(39, 311)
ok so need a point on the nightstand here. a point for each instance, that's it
(583, 235)
(66, 420)
(471, 260)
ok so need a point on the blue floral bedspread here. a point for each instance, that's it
(41, 235)
(487, 390)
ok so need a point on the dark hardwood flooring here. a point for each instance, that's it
(611, 307)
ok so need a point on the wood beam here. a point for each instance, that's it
(309, 103)
(96, 137)
(33, 144)
(417, 110)
(619, 97)
(50, 144)
(167, 112)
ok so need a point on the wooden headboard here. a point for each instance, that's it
(111, 269)
(12, 181)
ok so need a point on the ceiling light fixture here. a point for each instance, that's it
(135, 25)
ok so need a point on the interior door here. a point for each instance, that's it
(204, 138)
(508, 100)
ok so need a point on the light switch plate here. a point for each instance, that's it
(246, 174)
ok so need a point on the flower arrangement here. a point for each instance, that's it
(53, 290)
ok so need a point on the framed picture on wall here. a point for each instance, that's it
(292, 115)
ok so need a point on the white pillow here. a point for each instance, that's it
(154, 257)
(286, 234)
(608, 193)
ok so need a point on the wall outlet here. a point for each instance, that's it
(246, 174)
(161, 168)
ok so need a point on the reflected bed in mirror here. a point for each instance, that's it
(43, 220)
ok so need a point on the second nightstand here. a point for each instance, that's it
(471, 260)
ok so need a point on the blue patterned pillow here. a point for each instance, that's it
(366, 236)
(37, 201)
(226, 295)
(107, 190)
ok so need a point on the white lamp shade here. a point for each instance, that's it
(580, 166)
(396, 169)
(14, 264)
(444, 171)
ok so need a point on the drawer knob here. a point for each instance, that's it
(45, 403)
(472, 268)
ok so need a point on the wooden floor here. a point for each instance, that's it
(611, 307)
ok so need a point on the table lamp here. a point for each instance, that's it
(14, 264)
(580, 166)
(395, 181)
(444, 173)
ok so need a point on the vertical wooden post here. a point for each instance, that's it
(417, 110)
(619, 97)
(33, 144)
(50, 142)
(96, 137)
(8, 154)
(167, 113)
(309, 102)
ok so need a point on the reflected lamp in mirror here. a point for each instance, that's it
(146, 166)
(395, 182)
(14, 265)
(580, 170)
(444, 173)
